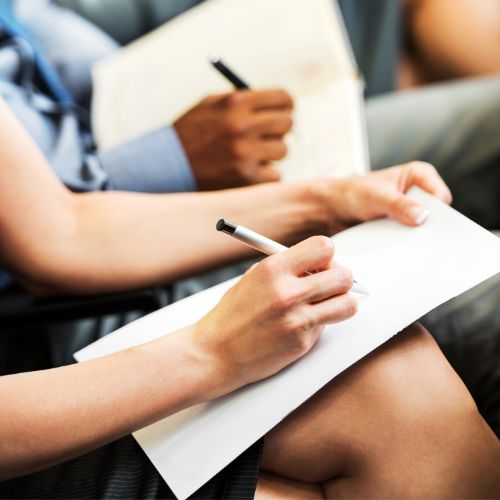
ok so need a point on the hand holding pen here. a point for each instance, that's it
(233, 139)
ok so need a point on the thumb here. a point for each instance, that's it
(406, 211)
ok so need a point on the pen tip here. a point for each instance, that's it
(360, 289)
(214, 59)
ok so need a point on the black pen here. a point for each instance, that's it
(227, 73)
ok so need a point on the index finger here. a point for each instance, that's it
(307, 256)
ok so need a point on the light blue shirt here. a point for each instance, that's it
(153, 163)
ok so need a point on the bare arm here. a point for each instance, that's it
(53, 415)
(56, 241)
(455, 38)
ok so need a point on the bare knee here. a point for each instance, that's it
(414, 401)
(415, 383)
(423, 427)
(401, 398)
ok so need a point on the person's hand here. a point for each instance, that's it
(233, 139)
(383, 193)
(274, 314)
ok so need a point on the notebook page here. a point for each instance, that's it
(337, 148)
(292, 44)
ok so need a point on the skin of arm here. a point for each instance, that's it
(53, 415)
(453, 38)
(54, 241)
(61, 242)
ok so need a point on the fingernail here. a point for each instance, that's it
(418, 214)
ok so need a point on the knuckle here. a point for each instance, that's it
(300, 322)
(304, 344)
(234, 99)
(284, 97)
(235, 125)
(399, 205)
(323, 244)
(280, 298)
(298, 327)
(237, 151)
(292, 325)
(286, 292)
(284, 297)
(422, 166)
(267, 270)
(221, 103)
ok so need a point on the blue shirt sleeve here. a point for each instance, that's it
(153, 163)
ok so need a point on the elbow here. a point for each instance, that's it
(44, 271)
(45, 260)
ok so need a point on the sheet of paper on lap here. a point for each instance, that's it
(409, 272)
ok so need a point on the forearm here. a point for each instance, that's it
(51, 416)
(54, 241)
(128, 240)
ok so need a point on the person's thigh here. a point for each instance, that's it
(396, 423)
(453, 125)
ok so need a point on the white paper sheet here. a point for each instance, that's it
(409, 272)
(297, 45)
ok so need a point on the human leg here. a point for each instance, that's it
(399, 423)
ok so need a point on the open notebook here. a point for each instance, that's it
(409, 271)
(293, 44)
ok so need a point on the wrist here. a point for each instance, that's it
(323, 216)
(179, 360)
(211, 359)
(208, 374)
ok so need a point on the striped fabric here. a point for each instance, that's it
(121, 470)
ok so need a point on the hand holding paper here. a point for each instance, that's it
(383, 194)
